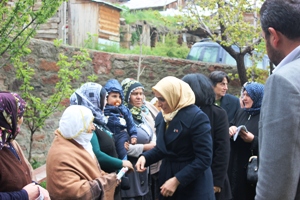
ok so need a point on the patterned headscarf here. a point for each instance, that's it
(177, 93)
(92, 96)
(256, 93)
(12, 108)
(129, 85)
(74, 124)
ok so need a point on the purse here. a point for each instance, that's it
(252, 170)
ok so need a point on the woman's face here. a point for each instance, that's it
(162, 103)
(247, 100)
(137, 97)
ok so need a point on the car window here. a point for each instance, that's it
(194, 53)
(210, 54)
(228, 59)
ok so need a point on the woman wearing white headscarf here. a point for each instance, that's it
(183, 143)
(73, 171)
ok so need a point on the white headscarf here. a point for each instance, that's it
(74, 124)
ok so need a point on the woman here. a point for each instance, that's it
(183, 143)
(16, 172)
(146, 139)
(246, 144)
(73, 171)
(93, 96)
(205, 99)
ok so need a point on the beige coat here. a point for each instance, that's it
(72, 173)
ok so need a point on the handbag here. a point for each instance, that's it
(252, 170)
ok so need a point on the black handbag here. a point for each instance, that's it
(252, 170)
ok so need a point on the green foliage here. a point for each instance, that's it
(168, 49)
(257, 75)
(224, 22)
(35, 164)
(43, 184)
(38, 109)
(152, 17)
(19, 23)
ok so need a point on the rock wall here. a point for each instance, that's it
(43, 59)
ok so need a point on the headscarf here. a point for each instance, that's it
(129, 85)
(12, 108)
(92, 96)
(74, 124)
(176, 92)
(256, 93)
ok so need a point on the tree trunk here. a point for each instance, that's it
(241, 69)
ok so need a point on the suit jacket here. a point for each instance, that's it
(186, 149)
(221, 149)
(231, 105)
(279, 135)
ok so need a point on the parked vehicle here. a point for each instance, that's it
(208, 51)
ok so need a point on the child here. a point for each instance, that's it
(119, 118)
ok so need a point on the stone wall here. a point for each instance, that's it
(43, 59)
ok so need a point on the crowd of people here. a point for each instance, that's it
(192, 141)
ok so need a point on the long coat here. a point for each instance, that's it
(239, 157)
(279, 131)
(186, 149)
(221, 149)
(231, 104)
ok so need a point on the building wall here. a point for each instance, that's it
(43, 59)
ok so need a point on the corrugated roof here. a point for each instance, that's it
(107, 3)
(138, 4)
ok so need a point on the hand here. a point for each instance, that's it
(169, 187)
(45, 193)
(246, 136)
(133, 140)
(126, 146)
(32, 190)
(127, 163)
(217, 189)
(232, 130)
(140, 164)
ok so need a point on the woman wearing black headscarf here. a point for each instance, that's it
(16, 172)
(205, 99)
(245, 144)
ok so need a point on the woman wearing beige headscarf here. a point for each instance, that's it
(183, 143)
(73, 171)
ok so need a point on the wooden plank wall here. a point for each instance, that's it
(82, 20)
(109, 23)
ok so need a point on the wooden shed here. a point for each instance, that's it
(94, 17)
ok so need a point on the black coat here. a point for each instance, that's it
(239, 157)
(231, 104)
(221, 149)
(185, 148)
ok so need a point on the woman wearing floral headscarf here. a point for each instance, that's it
(73, 171)
(246, 143)
(15, 171)
(183, 143)
(143, 114)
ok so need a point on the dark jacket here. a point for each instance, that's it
(231, 104)
(221, 149)
(186, 150)
(239, 157)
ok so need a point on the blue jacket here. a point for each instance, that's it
(120, 111)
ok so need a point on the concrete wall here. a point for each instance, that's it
(43, 59)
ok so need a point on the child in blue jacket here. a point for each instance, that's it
(120, 120)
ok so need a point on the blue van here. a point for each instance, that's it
(212, 52)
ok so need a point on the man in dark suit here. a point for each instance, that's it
(228, 102)
(279, 126)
